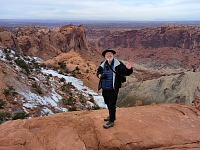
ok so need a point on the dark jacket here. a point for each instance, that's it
(120, 70)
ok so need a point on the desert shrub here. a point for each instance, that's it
(43, 65)
(2, 104)
(62, 80)
(36, 65)
(70, 101)
(6, 50)
(69, 84)
(10, 91)
(73, 108)
(67, 87)
(37, 88)
(87, 71)
(92, 100)
(22, 64)
(82, 99)
(22, 115)
(138, 102)
(61, 72)
(66, 70)
(8, 57)
(62, 65)
(4, 116)
(63, 88)
(73, 73)
(95, 107)
(48, 78)
(77, 68)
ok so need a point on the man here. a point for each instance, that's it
(111, 72)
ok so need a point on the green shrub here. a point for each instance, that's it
(36, 65)
(8, 57)
(62, 80)
(92, 100)
(87, 71)
(22, 115)
(73, 73)
(69, 84)
(82, 99)
(6, 50)
(48, 78)
(2, 104)
(95, 107)
(66, 70)
(63, 88)
(60, 72)
(37, 88)
(43, 65)
(62, 65)
(70, 101)
(77, 68)
(4, 116)
(72, 108)
(10, 91)
(22, 64)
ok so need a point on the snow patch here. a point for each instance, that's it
(79, 85)
(34, 100)
(46, 112)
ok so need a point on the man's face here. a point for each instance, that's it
(109, 56)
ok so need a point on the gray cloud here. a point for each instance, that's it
(101, 9)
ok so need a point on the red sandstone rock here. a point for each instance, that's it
(174, 46)
(156, 127)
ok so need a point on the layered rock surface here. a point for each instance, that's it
(8, 39)
(175, 46)
(46, 42)
(157, 86)
(153, 127)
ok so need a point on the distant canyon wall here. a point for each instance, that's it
(170, 44)
(186, 37)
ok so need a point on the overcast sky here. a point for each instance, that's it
(136, 10)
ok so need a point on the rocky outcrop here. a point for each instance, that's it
(154, 127)
(44, 42)
(179, 87)
(47, 43)
(8, 39)
(82, 68)
(27, 86)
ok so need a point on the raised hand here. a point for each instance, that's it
(129, 64)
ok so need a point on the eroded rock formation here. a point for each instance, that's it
(155, 127)
(174, 46)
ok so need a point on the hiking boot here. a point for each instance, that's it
(108, 125)
(107, 119)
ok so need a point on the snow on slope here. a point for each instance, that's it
(79, 85)
(32, 100)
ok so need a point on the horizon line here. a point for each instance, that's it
(40, 19)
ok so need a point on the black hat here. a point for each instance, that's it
(108, 50)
